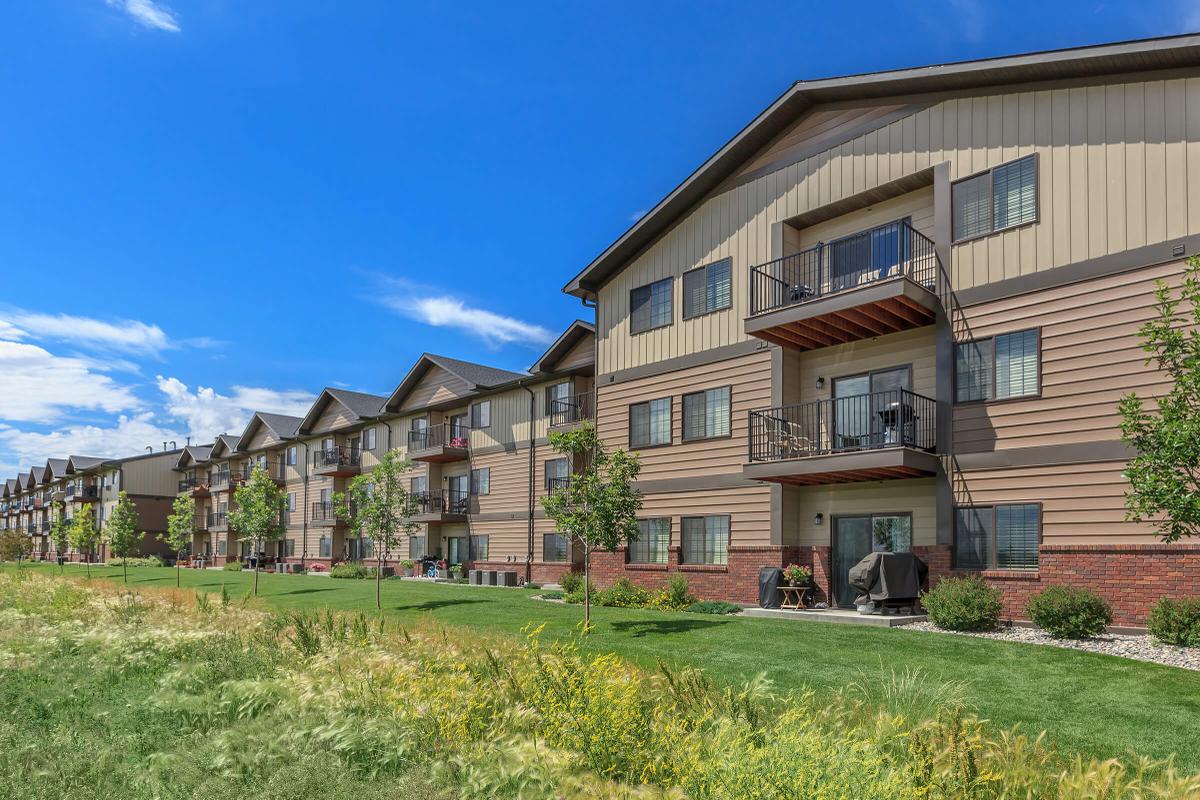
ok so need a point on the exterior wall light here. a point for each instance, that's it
(820, 382)
(819, 519)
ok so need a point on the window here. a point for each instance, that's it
(290, 458)
(650, 423)
(706, 414)
(650, 306)
(706, 289)
(417, 485)
(654, 537)
(416, 547)
(705, 540)
(368, 439)
(479, 548)
(997, 537)
(557, 473)
(481, 414)
(998, 368)
(456, 549)
(554, 547)
(1003, 197)
(481, 480)
(222, 547)
(560, 392)
(291, 501)
(289, 548)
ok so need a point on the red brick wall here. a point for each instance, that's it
(1132, 577)
(736, 581)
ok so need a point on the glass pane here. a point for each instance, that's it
(1017, 537)
(694, 293)
(972, 533)
(894, 534)
(973, 371)
(851, 412)
(972, 206)
(719, 292)
(1014, 193)
(660, 303)
(639, 309)
(716, 410)
(1017, 364)
(660, 421)
(852, 541)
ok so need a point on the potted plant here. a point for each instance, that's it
(443, 569)
(797, 575)
(408, 566)
(455, 571)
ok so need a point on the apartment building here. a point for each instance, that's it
(477, 438)
(898, 309)
(65, 487)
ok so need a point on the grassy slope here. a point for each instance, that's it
(1093, 704)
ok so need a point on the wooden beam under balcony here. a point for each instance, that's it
(890, 463)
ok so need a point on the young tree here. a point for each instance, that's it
(598, 506)
(122, 531)
(1164, 476)
(379, 505)
(14, 545)
(180, 525)
(258, 517)
(83, 536)
(60, 533)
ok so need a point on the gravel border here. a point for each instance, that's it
(1137, 647)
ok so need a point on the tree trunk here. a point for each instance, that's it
(256, 577)
(88, 561)
(378, 585)
(125, 568)
(177, 557)
(587, 591)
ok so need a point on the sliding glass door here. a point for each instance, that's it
(856, 536)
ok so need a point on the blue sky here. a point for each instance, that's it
(209, 207)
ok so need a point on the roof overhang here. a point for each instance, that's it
(569, 338)
(1171, 52)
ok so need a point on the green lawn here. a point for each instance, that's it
(1093, 704)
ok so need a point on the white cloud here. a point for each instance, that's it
(449, 312)
(85, 333)
(130, 436)
(205, 413)
(38, 386)
(148, 13)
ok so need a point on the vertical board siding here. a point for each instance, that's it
(1113, 173)
(801, 503)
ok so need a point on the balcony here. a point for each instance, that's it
(573, 410)
(870, 437)
(326, 514)
(217, 521)
(873, 283)
(200, 524)
(218, 481)
(337, 462)
(86, 494)
(195, 485)
(444, 506)
(274, 470)
(553, 484)
(439, 443)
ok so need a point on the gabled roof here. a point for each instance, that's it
(283, 426)
(10, 487)
(360, 405)
(225, 446)
(476, 376)
(81, 463)
(36, 476)
(1166, 52)
(193, 454)
(55, 468)
(569, 338)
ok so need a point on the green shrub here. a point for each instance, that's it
(675, 597)
(577, 595)
(553, 594)
(571, 582)
(353, 571)
(137, 561)
(1176, 621)
(623, 594)
(532, 585)
(232, 566)
(1067, 612)
(713, 607)
(963, 604)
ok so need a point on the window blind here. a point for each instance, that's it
(705, 540)
(1017, 536)
(1017, 364)
(1014, 193)
(972, 206)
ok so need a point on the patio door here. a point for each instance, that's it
(857, 401)
(854, 537)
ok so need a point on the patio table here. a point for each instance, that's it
(794, 597)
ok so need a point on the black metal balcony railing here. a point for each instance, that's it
(558, 483)
(187, 484)
(217, 519)
(449, 501)
(876, 255)
(445, 435)
(328, 511)
(86, 493)
(576, 408)
(893, 418)
(218, 479)
(339, 456)
(31, 528)
(201, 522)
(274, 469)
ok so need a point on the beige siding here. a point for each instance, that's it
(1081, 503)
(1090, 358)
(1114, 163)
(917, 206)
(262, 439)
(914, 348)
(750, 380)
(509, 480)
(749, 511)
(436, 386)
(334, 417)
(151, 475)
(581, 355)
(802, 504)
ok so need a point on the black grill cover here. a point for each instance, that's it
(888, 577)
(769, 595)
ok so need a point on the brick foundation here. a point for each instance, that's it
(736, 581)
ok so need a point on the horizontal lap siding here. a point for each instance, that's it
(1090, 357)
(802, 504)
(1119, 167)
(1081, 503)
(750, 379)
(915, 348)
(509, 481)
(749, 511)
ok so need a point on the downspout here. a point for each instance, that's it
(532, 474)
(304, 512)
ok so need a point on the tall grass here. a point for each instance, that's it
(194, 698)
